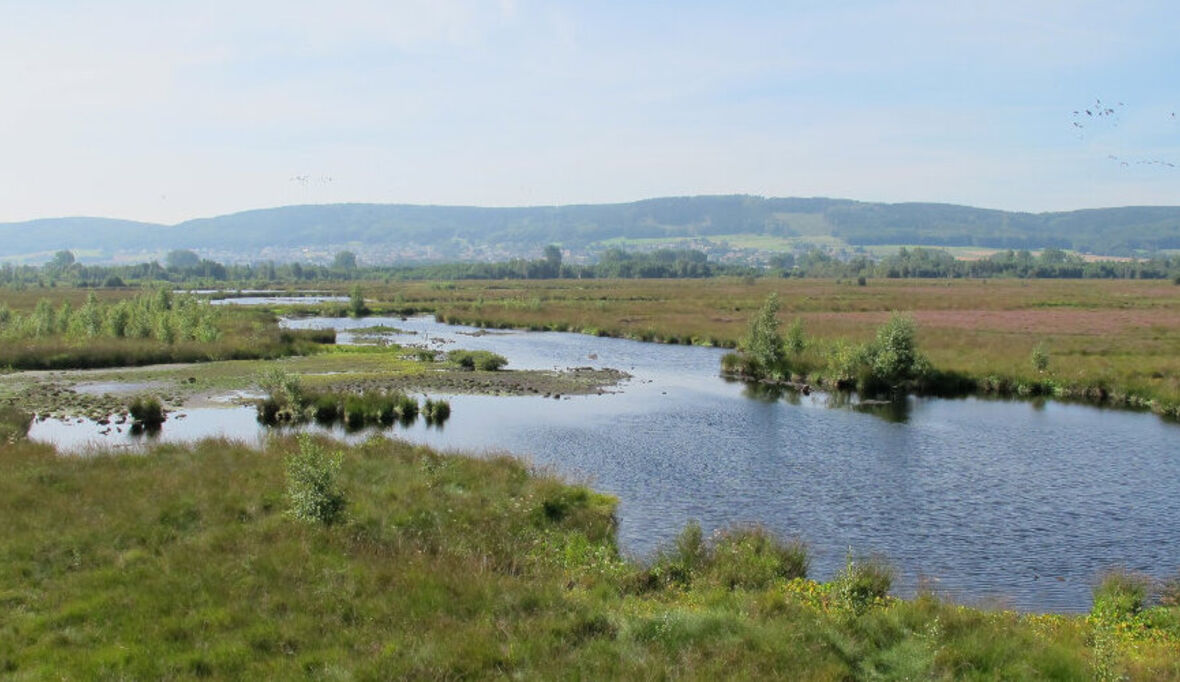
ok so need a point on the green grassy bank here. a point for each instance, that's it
(184, 563)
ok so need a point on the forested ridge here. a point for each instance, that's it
(1126, 231)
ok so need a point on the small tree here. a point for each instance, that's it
(1040, 357)
(796, 342)
(344, 260)
(356, 302)
(763, 341)
(896, 357)
(312, 489)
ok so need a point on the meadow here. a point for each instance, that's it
(1107, 341)
(191, 562)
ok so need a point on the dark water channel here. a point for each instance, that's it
(1014, 503)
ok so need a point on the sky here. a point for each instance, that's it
(165, 111)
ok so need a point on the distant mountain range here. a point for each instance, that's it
(411, 232)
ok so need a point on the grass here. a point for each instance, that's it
(185, 563)
(1109, 340)
(243, 334)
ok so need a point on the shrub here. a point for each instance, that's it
(796, 342)
(283, 387)
(886, 364)
(436, 411)
(687, 557)
(356, 302)
(1119, 595)
(752, 557)
(482, 360)
(405, 407)
(1040, 357)
(744, 557)
(354, 411)
(147, 411)
(863, 582)
(763, 341)
(896, 356)
(312, 488)
(326, 408)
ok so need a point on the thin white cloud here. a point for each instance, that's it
(167, 111)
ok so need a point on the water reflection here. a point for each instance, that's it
(896, 410)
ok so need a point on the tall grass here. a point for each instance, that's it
(151, 328)
(289, 402)
(185, 563)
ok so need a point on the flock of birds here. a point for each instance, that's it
(1086, 116)
(1082, 117)
(306, 180)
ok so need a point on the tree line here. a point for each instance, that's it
(187, 268)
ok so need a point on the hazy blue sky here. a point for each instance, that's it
(164, 111)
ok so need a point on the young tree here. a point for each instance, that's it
(1040, 357)
(895, 357)
(796, 342)
(763, 341)
(356, 302)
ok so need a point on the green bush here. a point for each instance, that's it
(1040, 357)
(313, 493)
(680, 564)
(865, 581)
(743, 557)
(326, 408)
(356, 302)
(482, 360)
(1119, 595)
(763, 342)
(436, 411)
(282, 387)
(752, 557)
(796, 341)
(146, 410)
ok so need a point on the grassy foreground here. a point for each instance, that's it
(182, 563)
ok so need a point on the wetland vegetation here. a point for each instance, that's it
(1103, 342)
(505, 569)
(420, 564)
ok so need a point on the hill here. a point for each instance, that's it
(413, 232)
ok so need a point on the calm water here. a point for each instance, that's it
(1015, 502)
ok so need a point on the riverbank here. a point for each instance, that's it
(163, 565)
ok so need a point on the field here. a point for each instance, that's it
(1114, 339)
